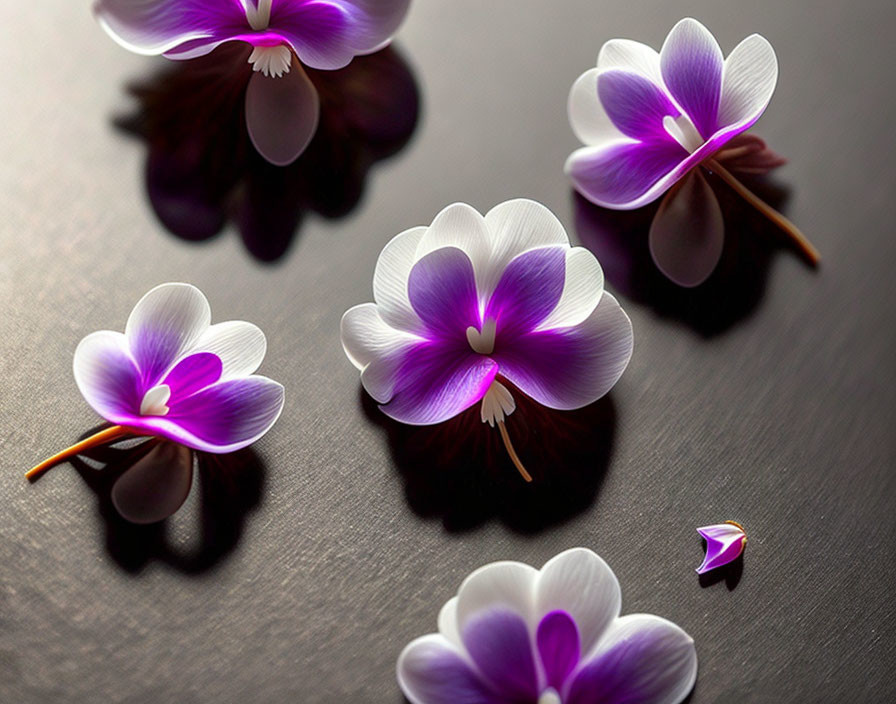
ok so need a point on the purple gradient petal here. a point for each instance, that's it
(691, 62)
(498, 642)
(318, 30)
(430, 671)
(724, 543)
(642, 660)
(438, 381)
(192, 374)
(442, 291)
(374, 21)
(635, 105)
(528, 291)
(107, 376)
(569, 368)
(558, 644)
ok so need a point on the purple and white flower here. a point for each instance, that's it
(173, 375)
(725, 542)
(281, 115)
(550, 636)
(472, 307)
(649, 119)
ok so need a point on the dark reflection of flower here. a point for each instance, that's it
(620, 240)
(202, 170)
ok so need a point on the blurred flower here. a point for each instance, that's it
(725, 543)
(517, 634)
(471, 307)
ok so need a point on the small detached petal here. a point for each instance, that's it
(725, 543)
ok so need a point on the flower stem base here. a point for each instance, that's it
(515, 458)
(104, 437)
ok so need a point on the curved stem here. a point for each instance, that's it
(512, 452)
(104, 437)
(801, 241)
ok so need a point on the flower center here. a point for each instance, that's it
(271, 60)
(682, 130)
(483, 341)
(497, 404)
(258, 12)
(155, 401)
(549, 696)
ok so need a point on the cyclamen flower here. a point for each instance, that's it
(554, 636)
(472, 307)
(281, 114)
(649, 120)
(173, 375)
(725, 543)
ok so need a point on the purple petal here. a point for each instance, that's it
(438, 381)
(107, 376)
(528, 291)
(688, 231)
(724, 543)
(691, 62)
(642, 660)
(430, 671)
(374, 21)
(558, 646)
(320, 31)
(192, 374)
(622, 175)
(498, 641)
(156, 486)
(282, 114)
(222, 418)
(158, 26)
(635, 104)
(442, 291)
(569, 368)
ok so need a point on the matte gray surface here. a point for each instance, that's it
(298, 573)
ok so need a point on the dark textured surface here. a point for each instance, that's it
(297, 572)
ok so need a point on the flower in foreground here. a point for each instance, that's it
(282, 104)
(474, 306)
(725, 543)
(173, 375)
(649, 120)
(514, 634)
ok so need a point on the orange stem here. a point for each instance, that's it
(801, 241)
(512, 452)
(104, 437)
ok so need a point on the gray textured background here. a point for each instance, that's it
(298, 574)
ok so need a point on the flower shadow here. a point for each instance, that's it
(229, 487)
(203, 172)
(459, 470)
(619, 239)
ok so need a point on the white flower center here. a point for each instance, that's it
(549, 696)
(682, 130)
(496, 405)
(155, 401)
(483, 341)
(259, 15)
(271, 60)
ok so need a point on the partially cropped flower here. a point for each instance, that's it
(281, 102)
(725, 543)
(554, 636)
(649, 120)
(173, 375)
(473, 309)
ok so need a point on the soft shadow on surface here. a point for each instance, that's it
(202, 170)
(730, 573)
(230, 487)
(459, 470)
(619, 239)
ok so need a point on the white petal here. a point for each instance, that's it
(448, 622)
(375, 348)
(748, 81)
(517, 226)
(582, 289)
(156, 485)
(431, 670)
(462, 226)
(390, 280)
(587, 116)
(500, 584)
(579, 582)
(241, 347)
(631, 56)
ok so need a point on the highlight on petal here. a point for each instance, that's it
(748, 81)
(390, 281)
(156, 486)
(589, 121)
(582, 290)
(461, 226)
(725, 542)
(688, 232)
(508, 585)
(631, 56)
(107, 376)
(239, 345)
(374, 22)
(282, 114)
